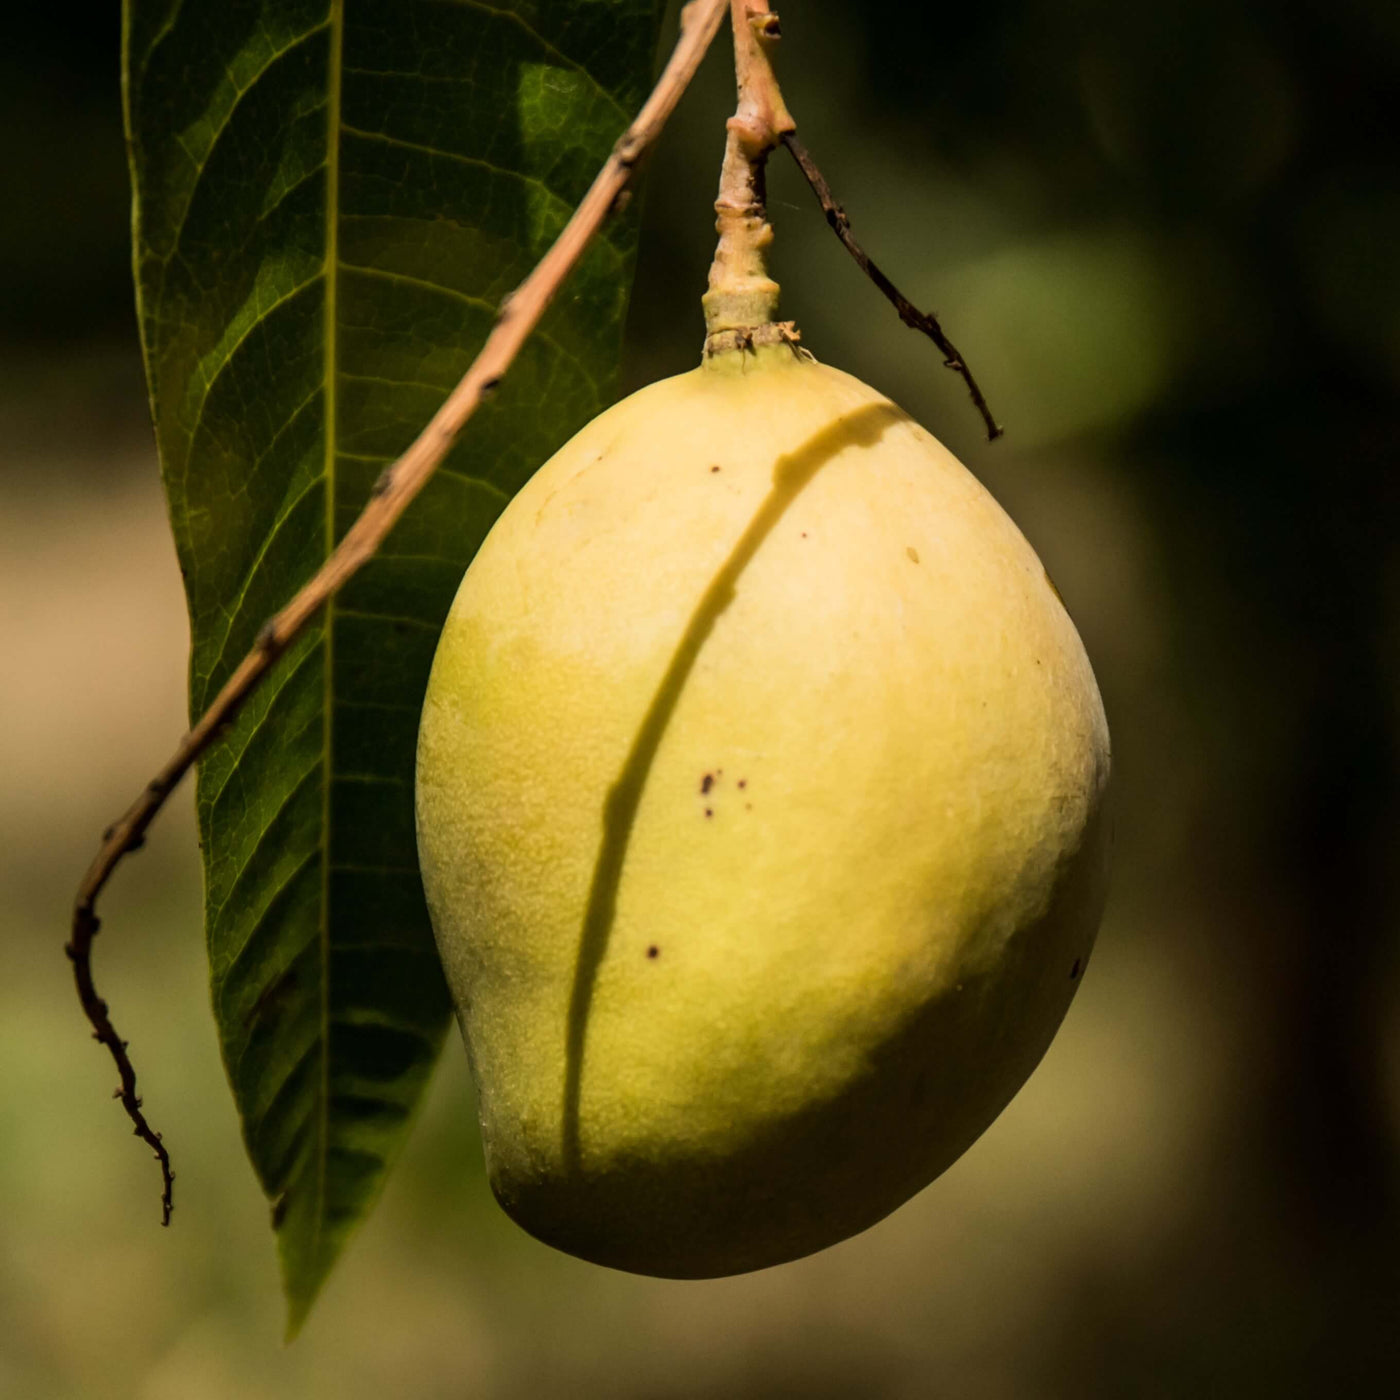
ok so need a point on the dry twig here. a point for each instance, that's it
(400, 483)
(910, 314)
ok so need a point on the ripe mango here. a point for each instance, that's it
(761, 785)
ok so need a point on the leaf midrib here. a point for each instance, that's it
(332, 272)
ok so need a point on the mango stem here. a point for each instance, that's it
(741, 295)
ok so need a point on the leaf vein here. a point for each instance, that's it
(202, 165)
(468, 299)
(522, 23)
(351, 868)
(292, 794)
(268, 715)
(268, 540)
(226, 360)
(458, 158)
(401, 618)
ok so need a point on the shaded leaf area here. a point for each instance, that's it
(332, 200)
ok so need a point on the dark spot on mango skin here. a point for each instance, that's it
(653, 951)
(714, 469)
(1075, 970)
(709, 811)
(743, 783)
(706, 783)
(912, 553)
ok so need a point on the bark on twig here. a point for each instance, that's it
(924, 321)
(79, 950)
(741, 294)
(700, 20)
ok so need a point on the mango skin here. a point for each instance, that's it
(761, 786)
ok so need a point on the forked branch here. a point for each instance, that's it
(396, 488)
(742, 297)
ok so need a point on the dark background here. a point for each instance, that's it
(1167, 237)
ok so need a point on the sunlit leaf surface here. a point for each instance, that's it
(332, 199)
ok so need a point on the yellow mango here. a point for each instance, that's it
(761, 787)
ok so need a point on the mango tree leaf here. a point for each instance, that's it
(332, 199)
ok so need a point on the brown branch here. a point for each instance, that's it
(924, 321)
(399, 484)
(79, 950)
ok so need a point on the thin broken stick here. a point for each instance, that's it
(910, 314)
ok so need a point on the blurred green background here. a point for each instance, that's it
(1167, 237)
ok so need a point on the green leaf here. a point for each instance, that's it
(332, 199)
